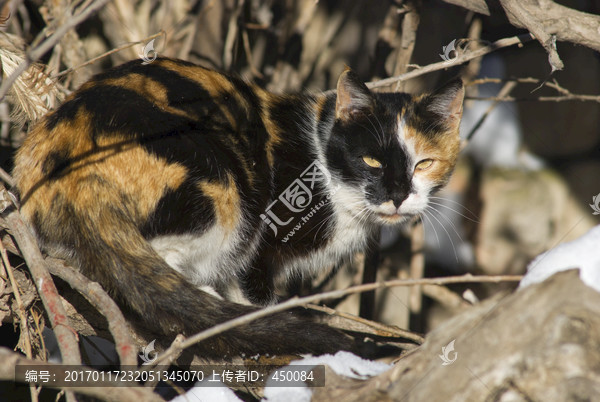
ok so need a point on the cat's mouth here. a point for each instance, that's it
(391, 218)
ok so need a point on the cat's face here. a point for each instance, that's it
(391, 150)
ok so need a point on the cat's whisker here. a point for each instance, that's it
(473, 217)
(318, 227)
(381, 127)
(361, 216)
(452, 225)
(447, 233)
(430, 223)
(380, 134)
(373, 133)
(453, 210)
(326, 220)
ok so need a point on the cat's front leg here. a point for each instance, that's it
(257, 282)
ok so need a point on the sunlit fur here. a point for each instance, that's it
(156, 181)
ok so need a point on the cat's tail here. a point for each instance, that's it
(112, 251)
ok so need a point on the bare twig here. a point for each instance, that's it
(417, 265)
(7, 178)
(463, 58)
(21, 309)
(370, 265)
(565, 23)
(506, 89)
(410, 24)
(445, 296)
(479, 6)
(295, 302)
(566, 94)
(105, 54)
(94, 293)
(574, 97)
(65, 336)
(474, 41)
(519, 15)
(380, 329)
(232, 33)
(38, 51)
(173, 352)
(25, 334)
(248, 51)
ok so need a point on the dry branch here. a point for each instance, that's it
(105, 54)
(65, 336)
(25, 337)
(563, 98)
(94, 293)
(479, 6)
(297, 302)
(566, 95)
(547, 21)
(506, 89)
(460, 59)
(567, 24)
(373, 327)
(408, 39)
(38, 51)
(417, 265)
(521, 16)
(553, 357)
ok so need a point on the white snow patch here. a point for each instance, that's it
(580, 253)
(208, 391)
(342, 363)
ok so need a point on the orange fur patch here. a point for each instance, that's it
(123, 166)
(149, 89)
(443, 150)
(226, 201)
(216, 84)
(273, 130)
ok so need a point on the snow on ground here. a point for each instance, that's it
(205, 391)
(582, 253)
(342, 363)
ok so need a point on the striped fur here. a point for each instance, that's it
(188, 193)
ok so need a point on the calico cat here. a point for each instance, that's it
(189, 194)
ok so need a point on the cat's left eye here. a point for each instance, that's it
(374, 163)
(424, 164)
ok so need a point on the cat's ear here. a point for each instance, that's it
(353, 96)
(447, 103)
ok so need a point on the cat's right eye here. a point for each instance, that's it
(424, 164)
(371, 162)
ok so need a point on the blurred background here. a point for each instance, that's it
(526, 176)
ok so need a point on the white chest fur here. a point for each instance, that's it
(216, 257)
(348, 236)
